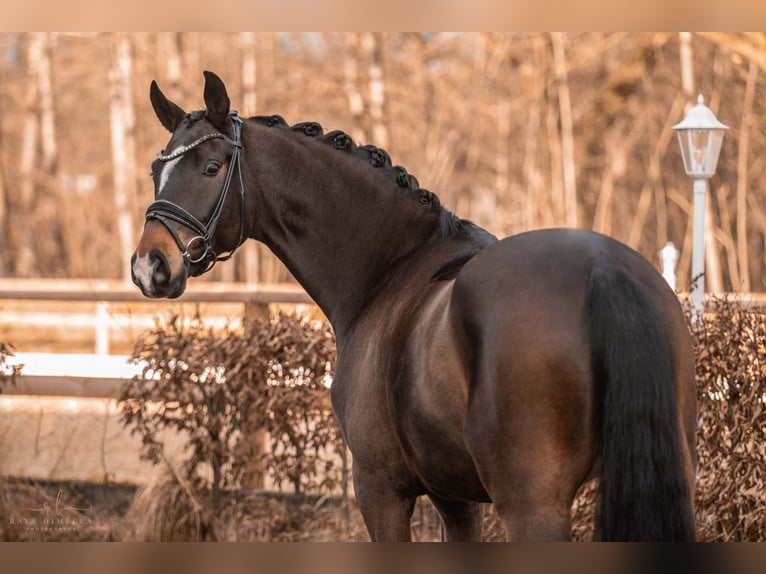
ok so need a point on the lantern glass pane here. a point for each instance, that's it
(700, 150)
(714, 150)
(699, 140)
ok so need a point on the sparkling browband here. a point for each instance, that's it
(182, 150)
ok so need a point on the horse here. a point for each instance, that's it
(470, 369)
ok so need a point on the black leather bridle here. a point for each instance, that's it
(166, 211)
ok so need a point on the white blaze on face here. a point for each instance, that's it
(167, 169)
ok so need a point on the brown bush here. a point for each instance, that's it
(167, 510)
(220, 388)
(7, 372)
(731, 437)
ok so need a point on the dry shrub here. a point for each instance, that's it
(168, 510)
(731, 438)
(220, 388)
(8, 372)
(583, 513)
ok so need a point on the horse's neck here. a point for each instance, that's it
(338, 233)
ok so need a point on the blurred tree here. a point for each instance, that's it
(24, 238)
(515, 131)
(565, 126)
(122, 121)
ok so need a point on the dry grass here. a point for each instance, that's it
(168, 511)
(33, 513)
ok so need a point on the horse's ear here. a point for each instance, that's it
(216, 100)
(169, 114)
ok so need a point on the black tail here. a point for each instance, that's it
(643, 488)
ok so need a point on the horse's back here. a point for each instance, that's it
(533, 286)
(547, 263)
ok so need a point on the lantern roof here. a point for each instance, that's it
(700, 117)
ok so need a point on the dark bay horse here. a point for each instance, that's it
(469, 369)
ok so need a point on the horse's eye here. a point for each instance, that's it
(212, 168)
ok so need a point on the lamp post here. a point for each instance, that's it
(700, 135)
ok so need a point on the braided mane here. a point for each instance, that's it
(376, 158)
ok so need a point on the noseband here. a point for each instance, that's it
(166, 211)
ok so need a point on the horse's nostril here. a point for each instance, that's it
(161, 275)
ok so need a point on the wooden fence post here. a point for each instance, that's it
(253, 474)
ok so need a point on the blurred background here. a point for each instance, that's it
(513, 131)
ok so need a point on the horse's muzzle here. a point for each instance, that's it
(152, 273)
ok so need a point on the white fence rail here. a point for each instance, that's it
(104, 294)
(101, 375)
(71, 374)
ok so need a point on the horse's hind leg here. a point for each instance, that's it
(531, 453)
(462, 520)
(531, 482)
(545, 521)
(531, 505)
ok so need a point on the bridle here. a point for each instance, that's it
(166, 211)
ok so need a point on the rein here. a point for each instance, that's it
(166, 211)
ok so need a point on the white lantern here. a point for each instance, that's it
(700, 135)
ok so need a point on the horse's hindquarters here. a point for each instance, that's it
(533, 420)
(529, 419)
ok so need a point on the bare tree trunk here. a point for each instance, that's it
(687, 67)
(502, 157)
(724, 235)
(247, 42)
(122, 123)
(618, 146)
(759, 218)
(371, 43)
(47, 116)
(569, 174)
(533, 179)
(267, 64)
(532, 175)
(254, 254)
(557, 200)
(713, 271)
(713, 264)
(170, 54)
(351, 86)
(249, 68)
(191, 45)
(3, 219)
(23, 236)
(742, 179)
(653, 176)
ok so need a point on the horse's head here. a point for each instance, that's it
(196, 218)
